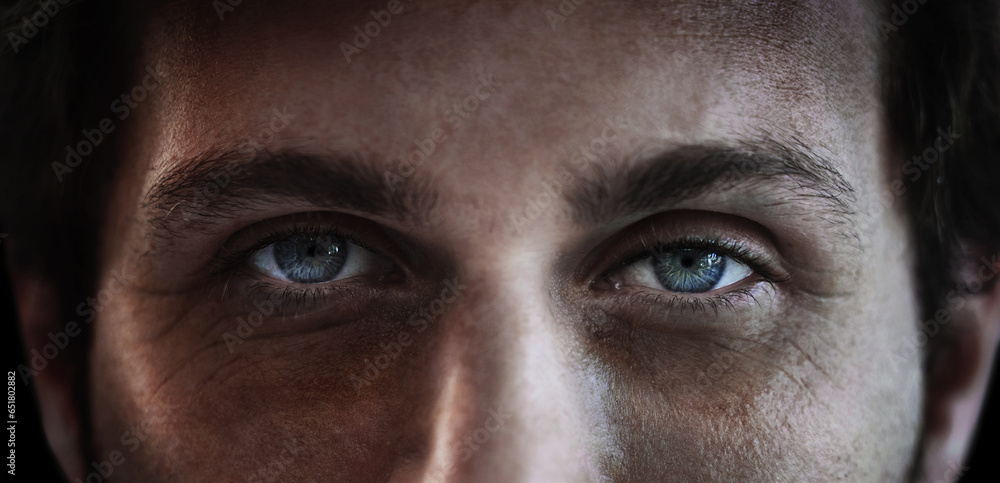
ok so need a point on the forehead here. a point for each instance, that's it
(357, 79)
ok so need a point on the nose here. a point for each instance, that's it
(513, 401)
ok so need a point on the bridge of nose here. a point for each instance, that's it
(511, 399)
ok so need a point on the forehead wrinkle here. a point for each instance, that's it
(795, 48)
(816, 44)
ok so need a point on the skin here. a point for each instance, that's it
(800, 381)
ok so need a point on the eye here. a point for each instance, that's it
(312, 258)
(685, 270)
(692, 270)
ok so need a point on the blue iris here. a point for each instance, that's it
(310, 258)
(689, 270)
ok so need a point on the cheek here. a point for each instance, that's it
(310, 406)
(836, 389)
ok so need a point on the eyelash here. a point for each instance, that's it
(234, 264)
(661, 303)
(664, 300)
(294, 297)
(234, 260)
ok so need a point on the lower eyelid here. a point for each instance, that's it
(656, 307)
(289, 300)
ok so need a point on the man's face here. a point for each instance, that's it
(507, 241)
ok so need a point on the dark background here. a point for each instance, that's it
(35, 461)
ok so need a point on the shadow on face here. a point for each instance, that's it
(506, 241)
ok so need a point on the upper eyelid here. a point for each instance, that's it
(266, 232)
(725, 247)
(744, 239)
(728, 248)
(739, 253)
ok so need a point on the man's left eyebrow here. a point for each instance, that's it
(647, 183)
(214, 185)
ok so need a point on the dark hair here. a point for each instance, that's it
(943, 72)
(55, 81)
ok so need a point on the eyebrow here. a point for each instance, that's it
(641, 183)
(646, 183)
(213, 185)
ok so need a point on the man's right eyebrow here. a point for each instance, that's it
(213, 185)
